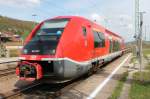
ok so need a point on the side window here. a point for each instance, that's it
(96, 39)
(84, 31)
(99, 39)
(110, 46)
(116, 46)
(102, 38)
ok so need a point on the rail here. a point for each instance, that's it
(7, 72)
(17, 92)
(58, 91)
(8, 60)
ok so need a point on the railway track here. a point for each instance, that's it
(7, 72)
(40, 90)
(10, 70)
(17, 92)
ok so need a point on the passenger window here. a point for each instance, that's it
(96, 39)
(110, 46)
(116, 46)
(102, 38)
(99, 39)
(84, 31)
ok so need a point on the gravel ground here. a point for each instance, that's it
(7, 66)
(7, 83)
(10, 82)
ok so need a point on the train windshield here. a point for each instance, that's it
(46, 38)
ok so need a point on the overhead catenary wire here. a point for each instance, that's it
(99, 12)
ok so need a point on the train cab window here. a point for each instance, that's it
(99, 39)
(46, 38)
(84, 31)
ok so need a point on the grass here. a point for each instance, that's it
(133, 60)
(140, 89)
(14, 25)
(117, 91)
(14, 53)
(146, 52)
(148, 67)
(140, 86)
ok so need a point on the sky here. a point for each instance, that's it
(116, 15)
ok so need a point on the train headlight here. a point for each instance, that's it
(25, 51)
(52, 51)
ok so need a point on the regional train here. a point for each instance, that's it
(66, 47)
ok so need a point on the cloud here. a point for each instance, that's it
(20, 3)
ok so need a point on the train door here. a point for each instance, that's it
(84, 31)
(86, 43)
(99, 43)
(98, 50)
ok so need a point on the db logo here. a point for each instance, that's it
(33, 57)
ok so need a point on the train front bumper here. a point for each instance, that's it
(63, 69)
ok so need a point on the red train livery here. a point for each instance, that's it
(66, 47)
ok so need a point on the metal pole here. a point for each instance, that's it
(136, 27)
(136, 17)
(34, 17)
(145, 32)
(140, 43)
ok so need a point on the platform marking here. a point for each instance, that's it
(100, 86)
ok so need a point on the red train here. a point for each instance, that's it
(66, 47)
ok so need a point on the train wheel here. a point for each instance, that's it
(95, 68)
(90, 72)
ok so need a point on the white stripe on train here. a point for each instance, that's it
(77, 62)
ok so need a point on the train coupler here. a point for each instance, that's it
(29, 71)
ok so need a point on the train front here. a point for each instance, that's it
(41, 54)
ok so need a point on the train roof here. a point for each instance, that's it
(69, 17)
(82, 18)
(110, 32)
